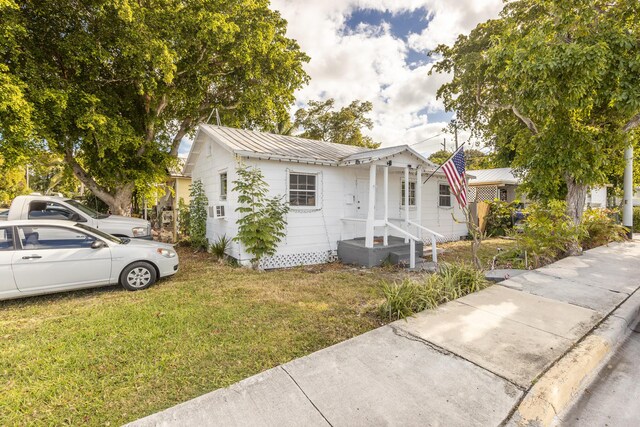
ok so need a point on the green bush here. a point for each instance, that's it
(183, 219)
(220, 246)
(547, 233)
(499, 219)
(198, 217)
(601, 227)
(409, 296)
(636, 219)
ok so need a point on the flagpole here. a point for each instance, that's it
(449, 158)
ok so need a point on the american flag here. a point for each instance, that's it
(454, 171)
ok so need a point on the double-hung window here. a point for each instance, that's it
(303, 189)
(444, 196)
(412, 193)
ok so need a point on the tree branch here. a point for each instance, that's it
(185, 127)
(84, 177)
(632, 124)
(524, 119)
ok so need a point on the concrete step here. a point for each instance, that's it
(403, 256)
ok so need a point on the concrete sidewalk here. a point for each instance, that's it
(470, 362)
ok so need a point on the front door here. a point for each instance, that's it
(59, 257)
(362, 197)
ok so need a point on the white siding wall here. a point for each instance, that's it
(313, 232)
(598, 197)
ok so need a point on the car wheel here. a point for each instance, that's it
(137, 276)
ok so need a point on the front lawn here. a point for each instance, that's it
(460, 251)
(107, 356)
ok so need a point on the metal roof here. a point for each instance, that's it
(493, 176)
(267, 146)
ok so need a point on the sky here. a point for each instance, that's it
(377, 51)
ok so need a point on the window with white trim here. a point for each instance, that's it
(220, 211)
(223, 186)
(303, 189)
(412, 193)
(444, 196)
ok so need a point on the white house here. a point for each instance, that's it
(337, 194)
(502, 184)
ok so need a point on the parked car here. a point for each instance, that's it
(37, 207)
(46, 256)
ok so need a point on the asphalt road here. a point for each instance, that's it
(613, 399)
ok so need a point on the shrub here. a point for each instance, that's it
(499, 219)
(409, 296)
(198, 217)
(262, 220)
(220, 246)
(183, 219)
(548, 232)
(601, 227)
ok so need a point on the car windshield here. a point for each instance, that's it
(102, 234)
(85, 209)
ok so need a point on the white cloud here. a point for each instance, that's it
(370, 63)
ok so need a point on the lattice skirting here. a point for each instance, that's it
(295, 260)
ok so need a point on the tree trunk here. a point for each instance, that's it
(121, 200)
(576, 197)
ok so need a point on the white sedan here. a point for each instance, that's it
(41, 257)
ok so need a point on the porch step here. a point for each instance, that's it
(403, 257)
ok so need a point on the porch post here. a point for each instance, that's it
(386, 205)
(406, 201)
(368, 241)
(419, 200)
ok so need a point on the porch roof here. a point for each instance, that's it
(497, 176)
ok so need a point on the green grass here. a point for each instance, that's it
(107, 356)
(461, 251)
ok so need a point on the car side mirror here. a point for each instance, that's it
(76, 217)
(98, 244)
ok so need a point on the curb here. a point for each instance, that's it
(552, 393)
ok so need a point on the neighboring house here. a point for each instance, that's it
(176, 187)
(491, 184)
(336, 193)
(502, 184)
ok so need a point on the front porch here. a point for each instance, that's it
(407, 244)
(356, 252)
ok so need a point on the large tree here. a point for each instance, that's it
(344, 126)
(554, 85)
(115, 86)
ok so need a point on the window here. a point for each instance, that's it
(223, 186)
(6, 239)
(503, 194)
(220, 211)
(44, 210)
(53, 238)
(211, 215)
(412, 193)
(302, 189)
(444, 196)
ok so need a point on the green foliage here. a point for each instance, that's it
(548, 232)
(262, 219)
(220, 246)
(601, 227)
(636, 219)
(342, 127)
(198, 216)
(184, 216)
(474, 159)
(113, 87)
(499, 219)
(12, 183)
(410, 296)
(552, 86)
(439, 157)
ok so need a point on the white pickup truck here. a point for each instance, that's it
(50, 207)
